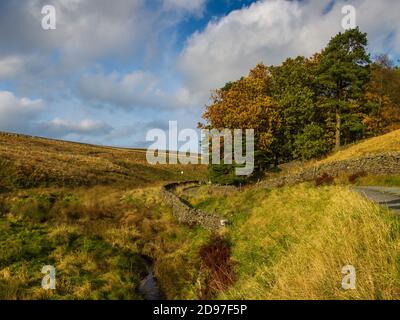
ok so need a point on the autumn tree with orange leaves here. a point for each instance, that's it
(246, 104)
(306, 107)
(383, 97)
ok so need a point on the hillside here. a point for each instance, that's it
(386, 143)
(373, 161)
(38, 162)
(95, 214)
(292, 242)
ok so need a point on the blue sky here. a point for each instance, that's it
(112, 70)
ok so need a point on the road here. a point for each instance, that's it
(385, 196)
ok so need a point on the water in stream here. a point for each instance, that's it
(148, 287)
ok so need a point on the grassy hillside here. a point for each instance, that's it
(386, 143)
(94, 213)
(37, 162)
(292, 243)
(96, 238)
(378, 145)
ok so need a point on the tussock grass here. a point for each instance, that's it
(389, 142)
(27, 162)
(93, 212)
(292, 243)
(386, 143)
(96, 239)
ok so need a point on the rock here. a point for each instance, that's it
(224, 223)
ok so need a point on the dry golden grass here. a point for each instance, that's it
(92, 212)
(289, 243)
(37, 162)
(292, 243)
(382, 144)
(386, 143)
(95, 237)
(301, 239)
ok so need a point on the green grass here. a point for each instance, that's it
(94, 212)
(95, 238)
(385, 181)
(83, 264)
(291, 243)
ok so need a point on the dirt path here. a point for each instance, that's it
(385, 196)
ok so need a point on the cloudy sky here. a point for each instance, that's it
(112, 70)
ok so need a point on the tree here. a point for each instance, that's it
(306, 106)
(246, 104)
(342, 76)
(382, 105)
(291, 90)
(311, 143)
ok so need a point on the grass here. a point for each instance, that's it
(27, 162)
(363, 179)
(292, 243)
(387, 143)
(95, 213)
(96, 239)
(385, 181)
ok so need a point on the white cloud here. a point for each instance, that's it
(127, 91)
(131, 91)
(61, 127)
(95, 35)
(23, 114)
(91, 29)
(10, 66)
(17, 113)
(195, 6)
(270, 31)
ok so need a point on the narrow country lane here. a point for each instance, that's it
(385, 196)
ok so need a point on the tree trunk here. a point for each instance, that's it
(338, 129)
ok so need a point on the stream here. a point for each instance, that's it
(148, 287)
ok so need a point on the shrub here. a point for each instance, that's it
(215, 257)
(354, 177)
(224, 174)
(324, 179)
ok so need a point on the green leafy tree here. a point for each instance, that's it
(291, 90)
(342, 76)
(311, 143)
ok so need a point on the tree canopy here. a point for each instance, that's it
(306, 107)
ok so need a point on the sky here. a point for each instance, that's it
(113, 70)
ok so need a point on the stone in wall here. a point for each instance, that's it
(186, 214)
(378, 164)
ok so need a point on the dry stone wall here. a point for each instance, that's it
(379, 164)
(186, 214)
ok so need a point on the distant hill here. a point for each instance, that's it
(39, 162)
